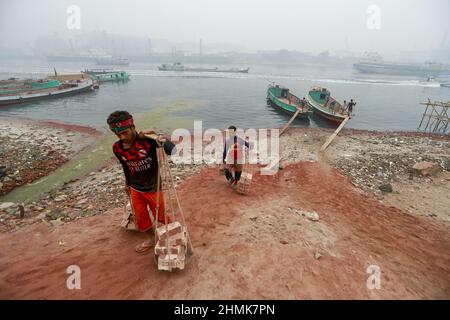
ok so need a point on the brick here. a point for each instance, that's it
(161, 248)
(244, 184)
(173, 228)
(171, 261)
(425, 168)
(175, 239)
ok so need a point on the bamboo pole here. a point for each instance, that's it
(290, 121)
(330, 139)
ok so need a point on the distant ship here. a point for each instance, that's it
(374, 65)
(106, 75)
(238, 70)
(177, 66)
(428, 69)
(171, 67)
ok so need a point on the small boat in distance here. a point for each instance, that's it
(325, 106)
(105, 75)
(282, 99)
(177, 66)
(234, 70)
(200, 69)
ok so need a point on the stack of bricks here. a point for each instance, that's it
(171, 246)
(243, 186)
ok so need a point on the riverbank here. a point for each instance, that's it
(33, 149)
(380, 164)
(311, 230)
(377, 163)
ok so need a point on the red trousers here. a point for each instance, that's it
(139, 201)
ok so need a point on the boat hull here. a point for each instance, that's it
(179, 67)
(329, 117)
(171, 69)
(233, 70)
(6, 101)
(320, 111)
(288, 108)
(109, 76)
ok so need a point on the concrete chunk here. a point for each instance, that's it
(425, 168)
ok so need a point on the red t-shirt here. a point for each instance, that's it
(139, 162)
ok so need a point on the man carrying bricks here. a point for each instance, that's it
(137, 154)
(233, 157)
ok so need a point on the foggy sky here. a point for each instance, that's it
(310, 25)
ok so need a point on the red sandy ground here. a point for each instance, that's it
(71, 127)
(246, 247)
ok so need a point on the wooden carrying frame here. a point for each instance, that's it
(244, 184)
(173, 246)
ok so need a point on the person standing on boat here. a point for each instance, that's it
(137, 154)
(351, 104)
(233, 156)
(303, 103)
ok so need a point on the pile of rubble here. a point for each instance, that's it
(389, 159)
(30, 151)
(24, 160)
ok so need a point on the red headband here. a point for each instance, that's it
(122, 125)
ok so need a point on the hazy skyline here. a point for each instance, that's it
(310, 26)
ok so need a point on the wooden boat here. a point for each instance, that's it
(64, 89)
(11, 81)
(17, 86)
(281, 98)
(325, 106)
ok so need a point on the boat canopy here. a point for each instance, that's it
(319, 94)
(45, 84)
(279, 91)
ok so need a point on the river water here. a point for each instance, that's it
(221, 99)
